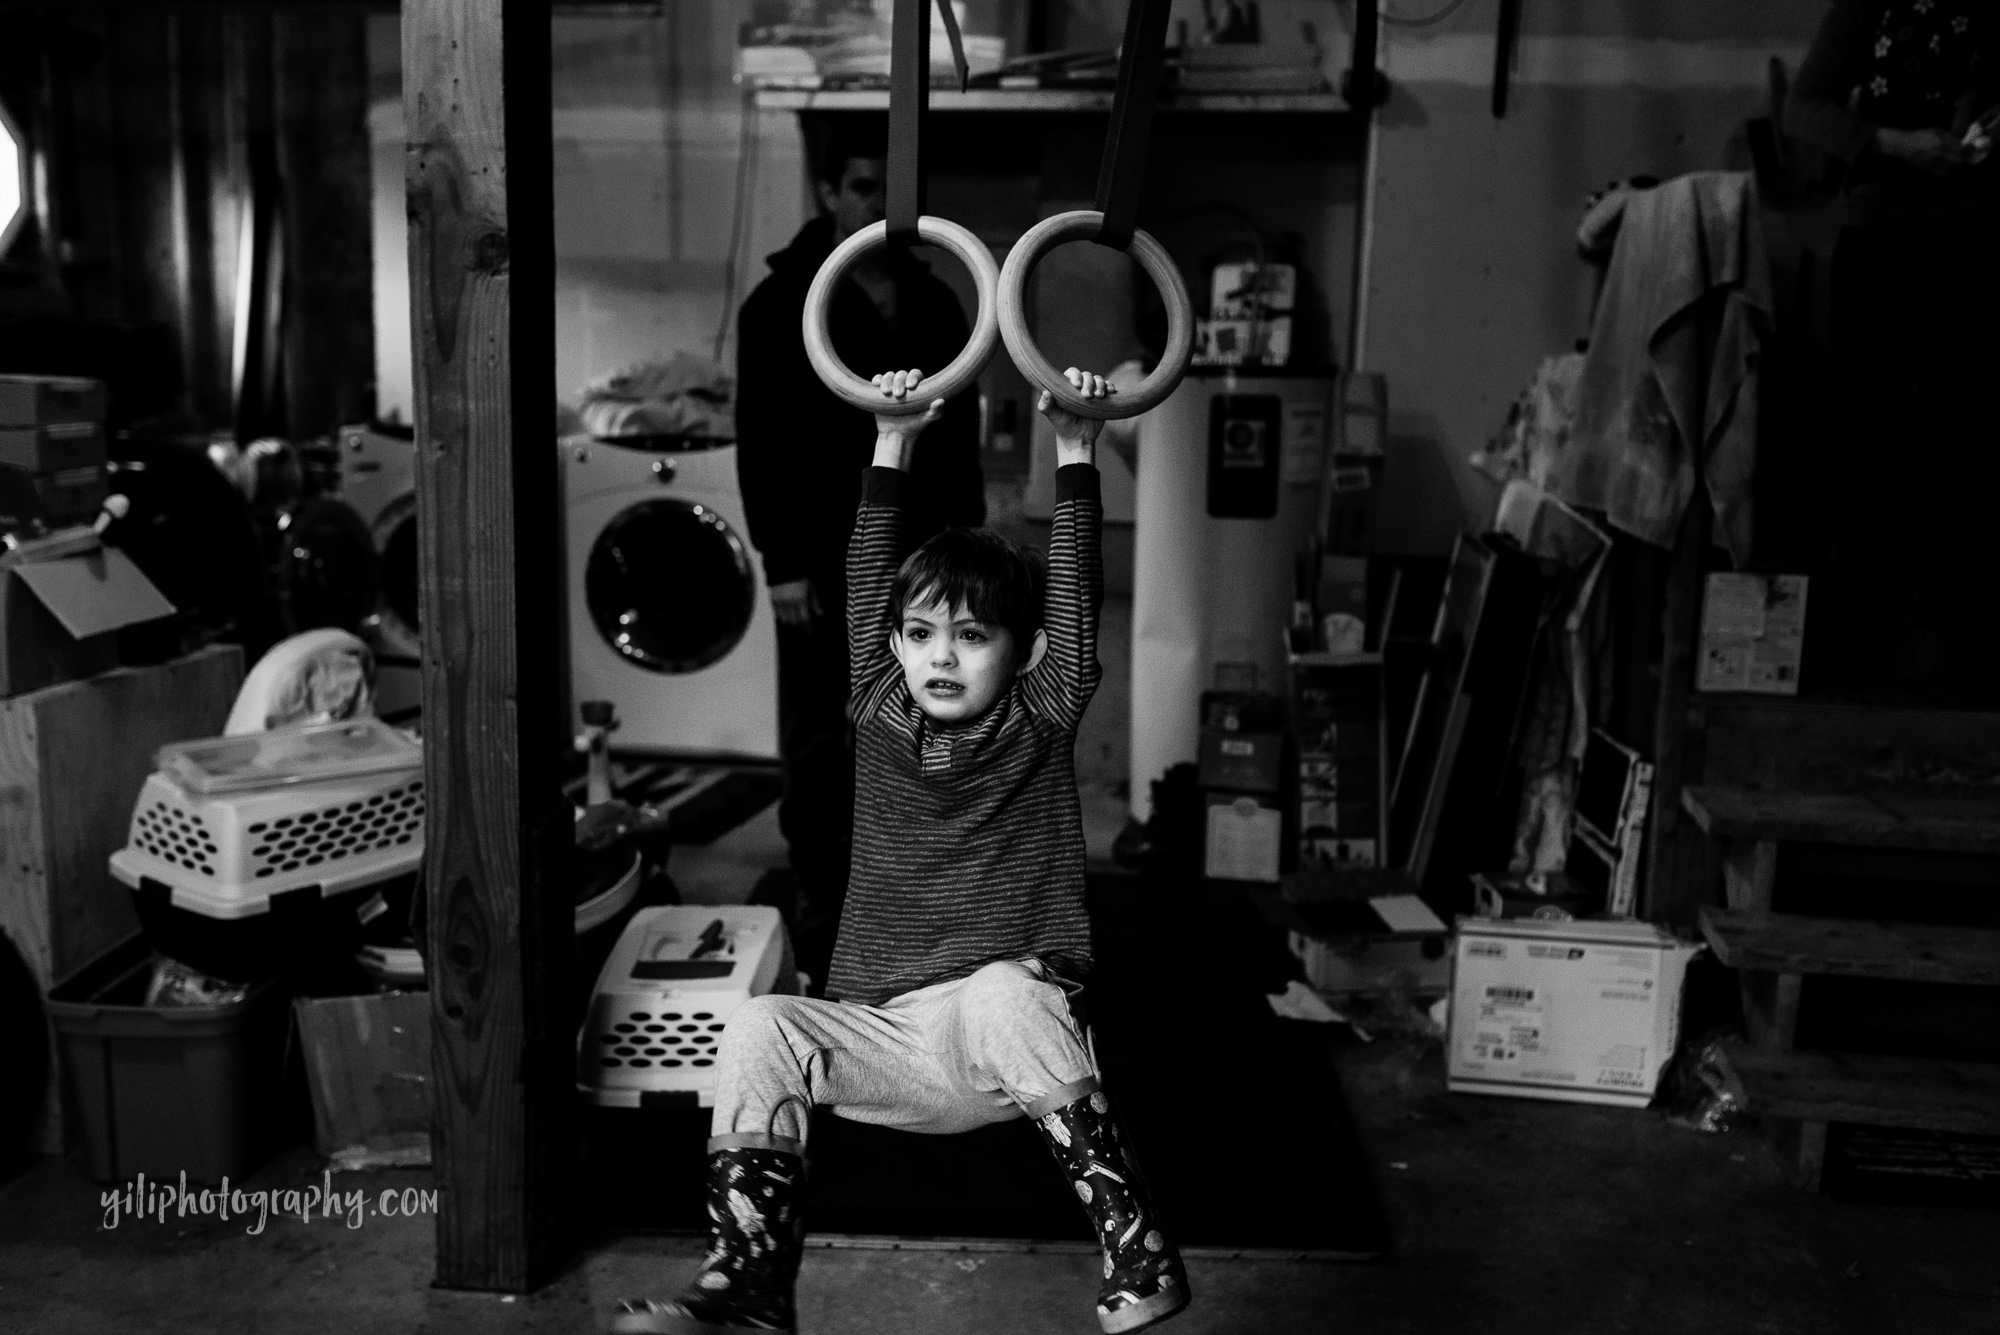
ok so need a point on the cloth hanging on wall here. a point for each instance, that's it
(1668, 392)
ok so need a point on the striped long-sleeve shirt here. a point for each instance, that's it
(968, 842)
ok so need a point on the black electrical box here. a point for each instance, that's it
(1243, 454)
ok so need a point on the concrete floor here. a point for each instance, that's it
(1507, 1217)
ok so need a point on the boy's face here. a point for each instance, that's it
(956, 665)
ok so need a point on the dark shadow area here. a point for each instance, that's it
(1236, 1116)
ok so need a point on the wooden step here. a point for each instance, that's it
(1922, 1093)
(1939, 821)
(1793, 943)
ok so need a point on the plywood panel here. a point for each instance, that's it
(72, 760)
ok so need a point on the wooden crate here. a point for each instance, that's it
(72, 760)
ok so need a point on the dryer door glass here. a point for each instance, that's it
(669, 585)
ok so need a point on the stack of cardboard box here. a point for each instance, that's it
(52, 428)
(1336, 708)
(63, 594)
(1242, 777)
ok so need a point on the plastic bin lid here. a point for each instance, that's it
(310, 754)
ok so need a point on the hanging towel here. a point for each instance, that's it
(1671, 375)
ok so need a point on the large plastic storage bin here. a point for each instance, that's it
(162, 1090)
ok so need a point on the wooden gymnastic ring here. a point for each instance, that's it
(1083, 225)
(964, 369)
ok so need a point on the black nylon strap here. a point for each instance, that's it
(1121, 176)
(909, 108)
(950, 17)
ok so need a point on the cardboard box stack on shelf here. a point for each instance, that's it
(1242, 778)
(52, 428)
(63, 594)
(1337, 719)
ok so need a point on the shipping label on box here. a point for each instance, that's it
(1753, 630)
(1582, 1012)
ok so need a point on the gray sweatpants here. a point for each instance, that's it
(941, 1059)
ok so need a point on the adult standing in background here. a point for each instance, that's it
(1906, 95)
(801, 453)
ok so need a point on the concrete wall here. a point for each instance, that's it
(1471, 270)
(650, 133)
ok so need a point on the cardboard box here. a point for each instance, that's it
(72, 496)
(368, 1061)
(1245, 837)
(53, 448)
(1242, 762)
(1350, 497)
(1361, 415)
(1368, 965)
(38, 400)
(61, 600)
(1580, 1012)
(1341, 604)
(1753, 630)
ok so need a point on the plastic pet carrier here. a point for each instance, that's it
(242, 848)
(665, 995)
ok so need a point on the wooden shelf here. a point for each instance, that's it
(1943, 822)
(1927, 1094)
(1917, 952)
(1045, 101)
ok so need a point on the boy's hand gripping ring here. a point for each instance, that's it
(1084, 225)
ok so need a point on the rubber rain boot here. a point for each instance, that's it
(756, 1197)
(1144, 1280)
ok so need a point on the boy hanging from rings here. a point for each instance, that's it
(964, 939)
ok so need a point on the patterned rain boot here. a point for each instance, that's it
(755, 1205)
(1144, 1281)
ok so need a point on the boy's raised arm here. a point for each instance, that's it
(880, 542)
(1060, 686)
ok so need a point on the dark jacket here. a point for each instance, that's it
(801, 452)
(1910, 66)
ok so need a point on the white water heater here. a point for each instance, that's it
(1228, 481)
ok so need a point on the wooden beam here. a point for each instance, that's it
(476, 99)
(1679, 873)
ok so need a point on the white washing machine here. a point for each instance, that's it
(668, 617)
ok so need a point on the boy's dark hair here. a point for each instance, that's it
(867, 138)
(996, 580)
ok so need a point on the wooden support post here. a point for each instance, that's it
(482, 286)
(1771, 1008)
(1749, 873)
(1677, 868)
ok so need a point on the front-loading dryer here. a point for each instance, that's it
(668, 618)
